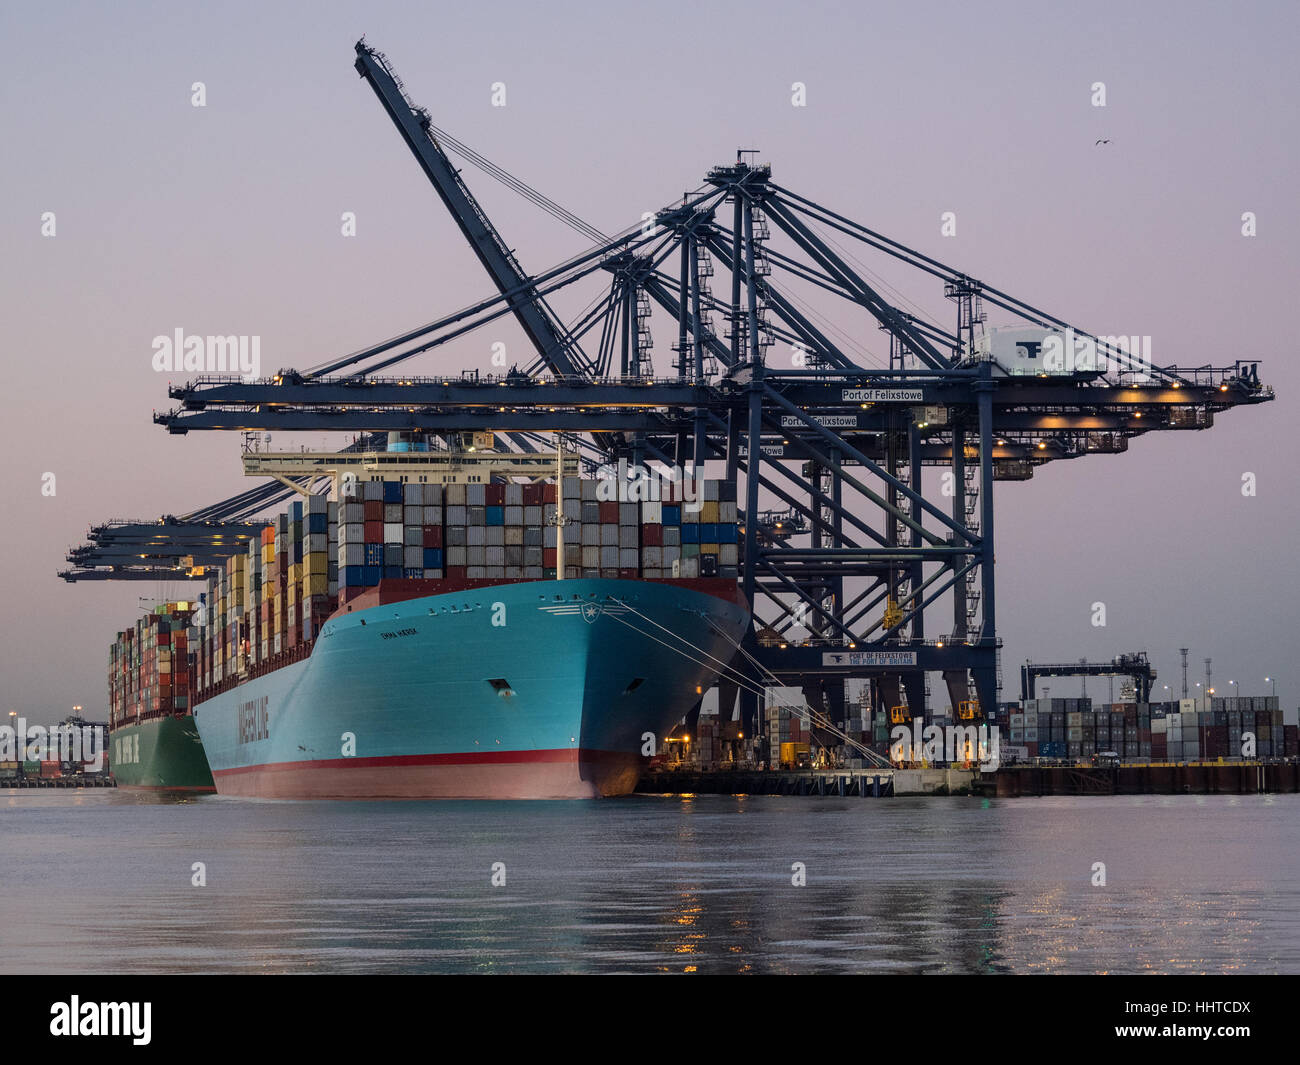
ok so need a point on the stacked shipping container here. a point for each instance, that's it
(150, 666)
(272, 601)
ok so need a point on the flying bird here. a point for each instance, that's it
(1106, 141)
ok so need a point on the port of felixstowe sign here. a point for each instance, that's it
(868, 658)
(883, 395)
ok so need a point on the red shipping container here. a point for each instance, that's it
(652, 535)
(548, 557)
(548, 493)
(494, 495)
(455, 573)
(374, 532)
(372, 510)
(629, 574)
(608, 513)
(532, 495)
(433, 536)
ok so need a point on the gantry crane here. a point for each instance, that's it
(841, 443)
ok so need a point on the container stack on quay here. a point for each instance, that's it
(151, 666)
(1155, 732)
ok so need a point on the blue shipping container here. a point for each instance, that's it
(672, 515)
(496, 515)
(690, 534)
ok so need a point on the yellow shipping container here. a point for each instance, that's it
(709, 511)
(708, 549)
(295, 573)
(315, 562)
(317, 584)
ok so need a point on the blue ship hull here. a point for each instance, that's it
(528, 690)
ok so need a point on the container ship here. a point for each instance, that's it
(153, 741)
(417, 640)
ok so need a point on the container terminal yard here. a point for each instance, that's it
(801, 523)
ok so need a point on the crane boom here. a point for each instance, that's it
(560, 355)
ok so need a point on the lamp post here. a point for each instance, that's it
(1271, 681)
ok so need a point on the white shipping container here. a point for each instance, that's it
(455, 495)
(627, 558)
(393, 533)
(652, 512)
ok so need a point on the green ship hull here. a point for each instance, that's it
(164, 753)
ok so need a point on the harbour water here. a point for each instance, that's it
(102, 882)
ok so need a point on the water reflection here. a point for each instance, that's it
(650, 885)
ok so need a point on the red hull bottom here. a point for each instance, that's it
(572, 775)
